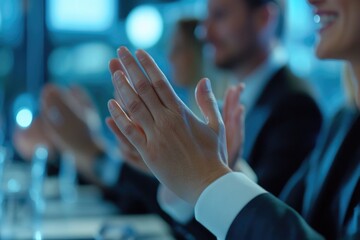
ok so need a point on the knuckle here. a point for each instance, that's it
(142, 87)
(135, 106)
(116, 114)
(210, 100)
(159, 84)
(145, 62)
(127, 59)
(128, 130)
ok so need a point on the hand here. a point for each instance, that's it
(128, 151)
(85, 109)
(184, 153)
(26, 140)
(233, 115)
(68, 130)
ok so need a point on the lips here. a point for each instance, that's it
(325, 20)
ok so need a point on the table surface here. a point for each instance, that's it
(83, 218)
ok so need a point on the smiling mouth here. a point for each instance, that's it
(324, 21)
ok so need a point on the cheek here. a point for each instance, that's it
(340, 42)
(353, 29)
(223, 33)
(180, 69)
(226, 30)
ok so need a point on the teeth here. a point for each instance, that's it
(324, 20)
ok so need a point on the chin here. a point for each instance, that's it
(329, 51)
(225, 64)
(322, 54)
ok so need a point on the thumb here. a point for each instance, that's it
(206, 101)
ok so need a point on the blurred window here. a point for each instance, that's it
(80, 15)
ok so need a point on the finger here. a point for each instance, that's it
(226, 109)
(236, 122)
(160, 83)
(234, 100)
(113, 127)
(236, 103)
(207, 103)
(134, 106)
(231, 101)
(128, 151)
(236, 95)
(140, 82)
(115, 65)
(54, 108)
(81, 96)
(125, 125)
(235, 136)
(116, 131)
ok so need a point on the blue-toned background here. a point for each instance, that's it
(63, 41)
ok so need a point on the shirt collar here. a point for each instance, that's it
(258, 79)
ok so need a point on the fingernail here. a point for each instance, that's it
(122, 51)
(140, 55)
(117, 76)
(208, 84)
(111, 105)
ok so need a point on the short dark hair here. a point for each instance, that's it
(258, 3)
(189, 27)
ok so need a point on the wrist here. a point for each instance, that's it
(86, 160)
(208, 178)
(89, 153)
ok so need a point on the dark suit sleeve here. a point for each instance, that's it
(289, 136)
(267, 218)
(127, 192)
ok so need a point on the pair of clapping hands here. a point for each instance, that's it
(160, 135)
(68, 122)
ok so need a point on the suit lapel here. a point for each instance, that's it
(254, 122)
(347, 193)
(319, 174)
(261, 112)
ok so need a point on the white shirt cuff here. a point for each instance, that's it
(242, 166)
(220, 203)
(177, 208)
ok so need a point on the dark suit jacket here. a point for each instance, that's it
(281, 130)
(326, 190)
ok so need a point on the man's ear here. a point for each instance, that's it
(267, 17)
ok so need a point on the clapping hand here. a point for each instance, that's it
(184, 153)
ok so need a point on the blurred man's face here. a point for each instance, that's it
(232, 32)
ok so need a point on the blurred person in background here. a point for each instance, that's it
(186, 59)
(281, 110)
(188, 62)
